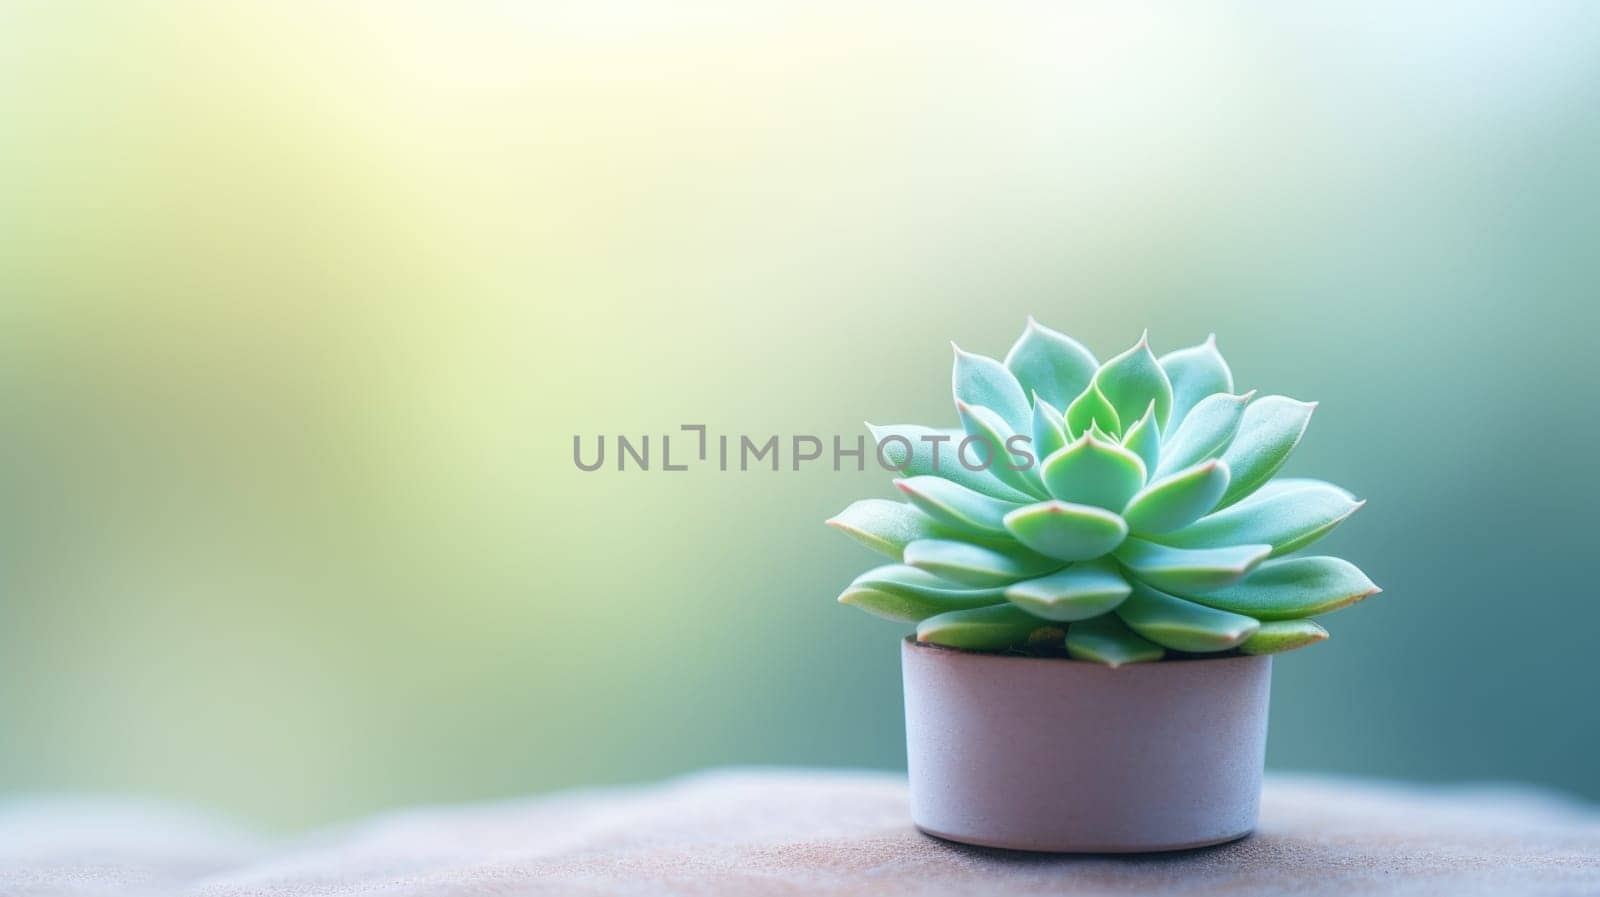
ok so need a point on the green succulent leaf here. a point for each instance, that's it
(908, 580)
(1076, 593)
(979, 629)
(1268, 432)
(919, 460)
(1205, 432)
(1174, 502)
(1195, 372)
(994, 435)
(1091, 409)
(1049, 428)
(1134, 379)
(956, 506)
(977, 565)
(1283, 635)
(1053, 365)
(1280, 485)
(980, 380)
(1066, 531)
(1093, 472)
(1144, 439)
(1182, 625)
(1187, 570)
(886, 526)
(899, 592)
(1288, 519)
(1106, 639)
(1292, 588)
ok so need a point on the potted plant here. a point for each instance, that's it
(1085, 522)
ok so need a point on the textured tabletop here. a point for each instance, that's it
(802, 832)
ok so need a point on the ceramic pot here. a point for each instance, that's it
(1061, 755)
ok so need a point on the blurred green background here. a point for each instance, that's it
(302, 304)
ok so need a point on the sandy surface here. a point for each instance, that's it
(757, 832)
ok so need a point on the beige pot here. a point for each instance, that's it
(1061, 755)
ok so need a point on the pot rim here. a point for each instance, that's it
(910, 641)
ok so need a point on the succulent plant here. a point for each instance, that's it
(1113, 512)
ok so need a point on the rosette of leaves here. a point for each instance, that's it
(1115, 512)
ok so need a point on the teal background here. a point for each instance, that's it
(302, 304)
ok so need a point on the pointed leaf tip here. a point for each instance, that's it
(1049, 431)
(980, 629)
(1182, 625)
(956, 506)
(980, 380)
(1269, 430)
(1292, 588)
(1106, 639)
(900, 592)
(1079, 592)
(1275, 637)
(886, 526)
(1065, 531)
(984, 425)
(1195, 372)
(1091, 409)
(977, 565)
(1175, 501)
(1205, 431)
(1288, 517)
(1131, 380)
(1144, 440)
(1185, 571)
(1050, 364)
(1091, 471)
